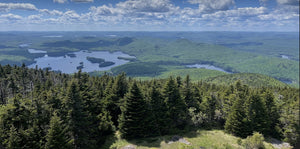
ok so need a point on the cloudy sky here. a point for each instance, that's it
(149, 15)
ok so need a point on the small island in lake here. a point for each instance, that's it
(95, 60)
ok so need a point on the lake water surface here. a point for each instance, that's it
(211, 67)
(36, 51)
(284, 56)
(67, 64)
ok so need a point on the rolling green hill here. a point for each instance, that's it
(164, 54)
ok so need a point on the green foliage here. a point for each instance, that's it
(256, 114)
(133, 122)
(176, 106)
(88, 109)
(158, 112)
(236, 121)
(208, 106)
(239, 141)
(105, 64)
(76, 116)
(197, 118)
(251, 79)
(188, 94)
(194, 73)
(56, 137)
(139, 69)
(208, 139)
(13, 142)
(235, 51)
(95, 60)
(254, 142)
(272, 114)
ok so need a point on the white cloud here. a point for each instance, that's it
(83, 1)
(135, 11)
(212, 5)
(51, 12)
(34, 17)
(146, 5)
(11, 16)
(240, 12)
(105, 10)
(20, 6)
(288, 2)
(70, 17)
(285, 12)
(71, 14)
(60, 1)
(157, 14)
(278, 17)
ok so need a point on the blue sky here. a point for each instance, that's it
(149, 15)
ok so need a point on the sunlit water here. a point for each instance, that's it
(67, 64)
(211, 67)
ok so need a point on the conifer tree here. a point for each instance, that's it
(272, 114)
(256, 114)
(76, 116)
(105, 128)
(176, 105)
(188, 94)
(208, 107)
(114, 92)
(14, 140)
(159, 112)
(56, 137)
(132, 121)
(236, 120)
(120, 85)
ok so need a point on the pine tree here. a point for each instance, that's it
(176, 106)
(132, 121)
(14, 140)
(120, 86)
(188, 94)
(256, 114)
(236, 121)
(56, 137)
(159, 112)
(208, 106)
(114, 92)
(76, 116)
(272, 114)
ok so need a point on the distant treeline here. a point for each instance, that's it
(43, 109)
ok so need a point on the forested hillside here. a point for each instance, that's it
(43, 109)
(158, 54)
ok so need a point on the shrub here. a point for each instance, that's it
(254, 142)
(239, 141)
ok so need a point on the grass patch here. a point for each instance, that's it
(208, 139)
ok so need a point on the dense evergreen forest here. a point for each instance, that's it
(43, 109)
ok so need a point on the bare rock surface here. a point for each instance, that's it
(179, 139)
(279, 144)
(130, 146)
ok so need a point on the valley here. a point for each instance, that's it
(154, 54)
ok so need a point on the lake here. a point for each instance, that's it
(211, 67)
(67, 64)
(284, 56)
(36, 51)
